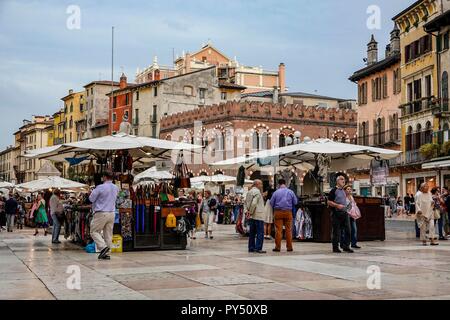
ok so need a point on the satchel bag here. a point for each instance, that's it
(354, 212)
(437, 214)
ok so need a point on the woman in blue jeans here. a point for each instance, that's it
(353, 214)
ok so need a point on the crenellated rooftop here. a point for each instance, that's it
(259, 110)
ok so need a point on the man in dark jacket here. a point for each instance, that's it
(10, 210)
(337, 201)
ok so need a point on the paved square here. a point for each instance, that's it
(222, 269)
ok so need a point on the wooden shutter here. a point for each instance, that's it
(373, 90)
(385, 86)
(359, 94)
(380, 88)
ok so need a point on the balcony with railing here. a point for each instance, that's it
(442, 108)
(413, 156)
(419, 105)
(385, 138)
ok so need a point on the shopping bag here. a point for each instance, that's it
(198, 222)
(90, 248)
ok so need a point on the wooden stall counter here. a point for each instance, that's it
(371, 225)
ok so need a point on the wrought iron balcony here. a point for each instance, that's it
(413, 156)
(442, 108)
(389, 137)
(420, 105)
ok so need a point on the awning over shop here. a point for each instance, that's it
(437, 164)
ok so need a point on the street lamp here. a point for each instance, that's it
(297, 135)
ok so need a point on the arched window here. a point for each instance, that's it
(364, 138)
(282, 141)
(445, 90)
(446, 132)
(409, 139)
(428, 133)
(378, 132)
(219, 141)
(418, 137)
(255, 141)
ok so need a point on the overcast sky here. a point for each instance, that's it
(322, 42)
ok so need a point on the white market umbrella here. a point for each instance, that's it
(51, 183)
(218, 178)
(343, 156)
(4, 184)
(139, 147)
(153, 174)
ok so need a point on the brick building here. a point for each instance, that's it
(236, 128)
(120, 105)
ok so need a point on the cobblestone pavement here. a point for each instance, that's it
(33, 268)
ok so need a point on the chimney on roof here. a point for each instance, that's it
(70, 91)
(388, 51)
(395, 40)
(187, 62)
(372, 51)
(282, 77)
(123, 81)
(275, 95)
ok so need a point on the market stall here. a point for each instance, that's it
(46, 185)
(148, 216)
(320, 160)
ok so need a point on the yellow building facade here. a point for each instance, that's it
(419, 105)
(73, 112)
(59, 124)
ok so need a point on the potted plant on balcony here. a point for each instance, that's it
(429, 150)
(446, 148)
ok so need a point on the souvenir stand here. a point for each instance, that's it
(74, 221)
(142, 214)
(318, 158)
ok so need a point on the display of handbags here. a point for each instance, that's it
(181, 174)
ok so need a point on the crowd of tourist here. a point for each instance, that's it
(263, 210)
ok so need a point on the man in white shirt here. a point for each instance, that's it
(103, 200)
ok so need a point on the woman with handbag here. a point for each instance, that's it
(40, 215)
(353, 214)
(438, 212)
(425, 214)
(57, 214)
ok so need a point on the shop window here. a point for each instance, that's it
(411, 186)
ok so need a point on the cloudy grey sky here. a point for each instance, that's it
(321, 42)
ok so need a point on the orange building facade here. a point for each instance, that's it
(120, 105)
(255, 79)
